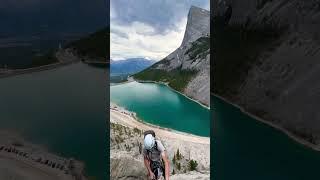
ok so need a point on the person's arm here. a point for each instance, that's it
(147, 164)
(166, 164)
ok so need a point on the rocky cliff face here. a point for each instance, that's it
(190, 63)
(282, 84)
(126, 145)
(298, 15)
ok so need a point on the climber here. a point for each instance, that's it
(155, 157)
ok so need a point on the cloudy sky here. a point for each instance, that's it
(26, 17)
(148, 28)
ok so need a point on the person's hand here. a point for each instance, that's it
(152, 176)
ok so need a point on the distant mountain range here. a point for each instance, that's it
(129, 66)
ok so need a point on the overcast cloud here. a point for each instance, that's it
(148, 28)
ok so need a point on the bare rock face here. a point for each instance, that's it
(126, 145)
(191, 176)
(124, 167)
(283, 85)
(197, 26)
(193, 55)
(301, 16)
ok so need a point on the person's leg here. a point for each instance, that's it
(154, 168)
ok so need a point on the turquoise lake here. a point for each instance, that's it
(244, 148)
(63, 109)
(159, 105)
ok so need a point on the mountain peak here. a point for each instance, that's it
(198, 24)
(195, 8)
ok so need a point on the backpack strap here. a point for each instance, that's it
(154, 147)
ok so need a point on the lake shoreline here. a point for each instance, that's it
(289, 134)
(65, 57)
(130, 79)
(17, 72)
(116, 108)
(16, 152)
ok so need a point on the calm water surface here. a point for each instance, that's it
(159, 105)
(62, 109)
(244, 148)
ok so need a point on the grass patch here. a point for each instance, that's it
(176, 79)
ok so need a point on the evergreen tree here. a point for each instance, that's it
(192, 165)
(178, 155)
(174, 159)
(179, 166)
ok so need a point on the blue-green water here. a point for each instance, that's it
(159, 105)
(63, 109)
(244, 148)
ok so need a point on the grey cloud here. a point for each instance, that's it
(120, 34)
(161, 14)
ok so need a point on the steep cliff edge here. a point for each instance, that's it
(267, 61)
(187, 69)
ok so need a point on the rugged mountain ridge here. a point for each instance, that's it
(280, 83)
(129, 66)
(187, 69)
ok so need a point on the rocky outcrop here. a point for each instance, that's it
(126, 145)
(191, 176)
(190, 63)
(282, 85)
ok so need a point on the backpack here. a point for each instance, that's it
(157, 167)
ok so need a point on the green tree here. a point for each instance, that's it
(174, 159)
(192, 165)
(179, 166)
(178, 156)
